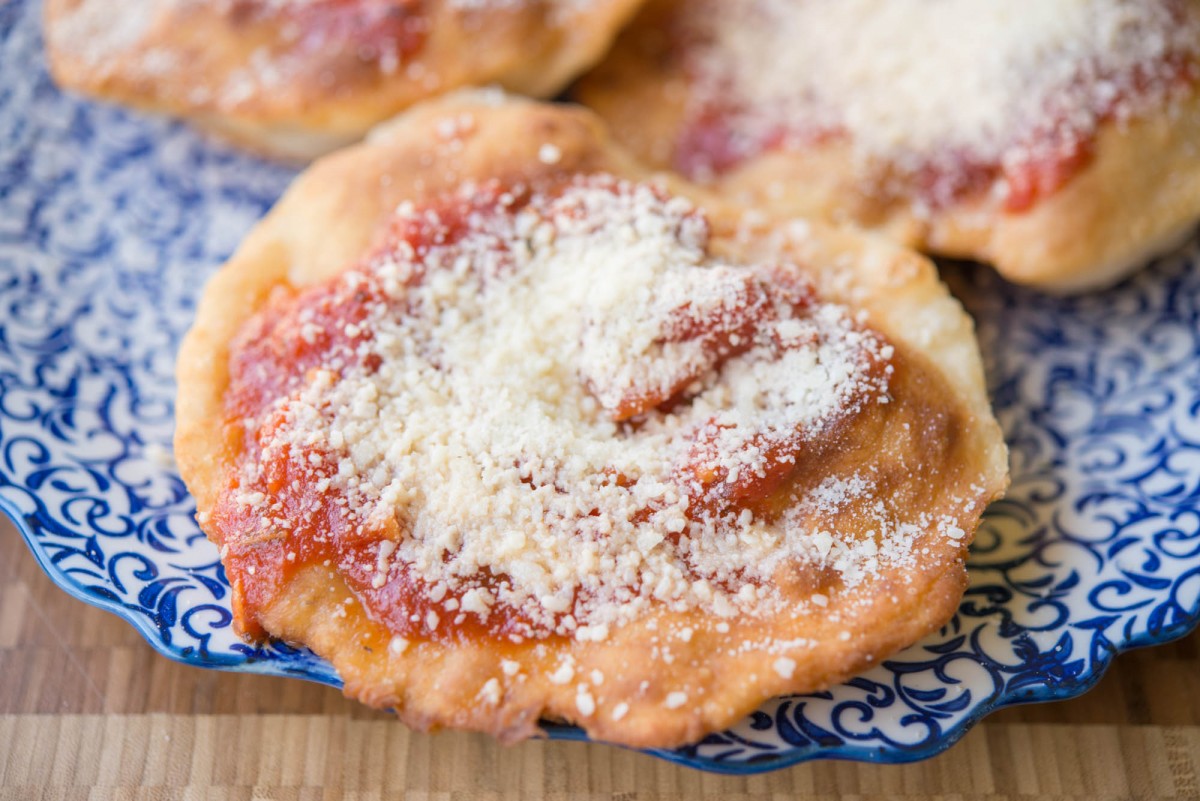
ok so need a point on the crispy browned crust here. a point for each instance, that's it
(197, 60)
(1139, 196)
(328, 218)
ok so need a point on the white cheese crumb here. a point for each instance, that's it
(478, 601)
(564, 673)
(490, 692)
(620, 710)
(785, 667)
(921, 84)
(252, 499)
(584, 702)
(383, 563)
(676, 700)
(596, 633)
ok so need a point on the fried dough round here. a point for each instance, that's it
(903, 475)
(1099, 172)
(296, 80)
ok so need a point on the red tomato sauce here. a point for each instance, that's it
(299, 525)
(712, 141)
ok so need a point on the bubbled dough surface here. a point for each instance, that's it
(329, 218)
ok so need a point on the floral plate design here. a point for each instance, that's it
(111, 222)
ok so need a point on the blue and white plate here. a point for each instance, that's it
(111, 222)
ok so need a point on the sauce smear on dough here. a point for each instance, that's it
(936, 101)
(530, 414)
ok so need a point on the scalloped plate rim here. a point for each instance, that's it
(1025, 664)
(895, 755)
(140, 624)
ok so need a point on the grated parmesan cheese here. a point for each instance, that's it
(564, 673)
(491, 693)
(584, 702)
(493, 426)
(916, 83)
(785, 666)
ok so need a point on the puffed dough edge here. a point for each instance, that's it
(300, 122)
(1138, 197)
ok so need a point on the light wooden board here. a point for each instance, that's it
(89, 711)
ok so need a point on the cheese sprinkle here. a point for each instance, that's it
(567, 393)
(920, 85)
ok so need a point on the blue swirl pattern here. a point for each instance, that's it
(111, 222)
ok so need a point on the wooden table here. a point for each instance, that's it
(88, 710)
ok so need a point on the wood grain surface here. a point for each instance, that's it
(89, 711)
